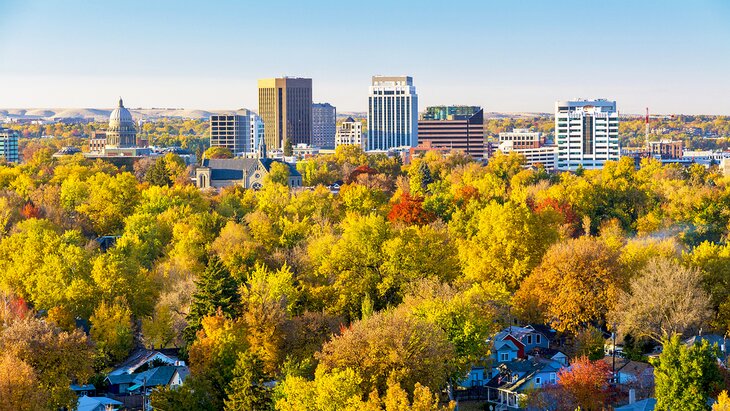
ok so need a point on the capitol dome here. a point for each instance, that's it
(120, 116)
(121, 131)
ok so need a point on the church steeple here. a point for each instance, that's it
(262, 147)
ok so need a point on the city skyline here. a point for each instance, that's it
(668, 56)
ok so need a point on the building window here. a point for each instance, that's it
(529, 338)
(504, 356)
(553, 378)
(538, 380)
(538, 339)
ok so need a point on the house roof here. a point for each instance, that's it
(83, 387)
(500, 345)
(545, 352)
(626, 366)
(142, 356)
(525, 369)
(94, 403)
(643, 405)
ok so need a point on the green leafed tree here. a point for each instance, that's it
(686, 376)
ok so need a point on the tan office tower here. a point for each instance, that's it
(285, 105)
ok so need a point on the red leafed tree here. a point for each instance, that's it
(410, 210)
(570, 218)
(363, 169)
(584, 384)
(465, 194)
(30, 211)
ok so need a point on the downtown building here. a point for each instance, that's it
(9, 145)
(531, 145)
(324, 125)
(239, 132)
(454, 127)
(586, 133)
(392, 113)
(285, 105)
(349, 133)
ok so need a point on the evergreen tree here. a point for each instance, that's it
(216, 289)
(420, 178)
(157, 174)
(685, 376)
(288, 148)
(247, 391)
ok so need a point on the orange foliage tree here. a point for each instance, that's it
(410, 210)
(584, 384)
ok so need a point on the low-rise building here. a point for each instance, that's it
(666, 149)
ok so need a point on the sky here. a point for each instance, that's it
(506, 56)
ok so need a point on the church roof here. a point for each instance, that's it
(232, 168)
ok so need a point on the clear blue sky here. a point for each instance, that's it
(673, 56)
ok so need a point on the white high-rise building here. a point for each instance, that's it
(257, 131)
(586, 132)
(349, 133)
(392, 113)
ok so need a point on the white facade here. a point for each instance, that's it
(586, 132)
(522, 138)
(545, 155)
(392, 113)
(257, 131)
(349, 133)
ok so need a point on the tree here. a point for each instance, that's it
(685, 375)
(504, 243)
(723, 402)
(111, 329)
(248, 390)
(419, 178)
(575, 285)
(216, 290)
(666, 299)
(584, 384)
(415, 351)
(217, 152)
(278, 174)
(19, 386)
(57, 357)
(409, 210)
(158, 174)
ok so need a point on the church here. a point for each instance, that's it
(241, 171)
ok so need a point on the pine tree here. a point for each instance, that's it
(247, 391)
(420, 178)
(216, 289)
(288, 148)
(157, 174)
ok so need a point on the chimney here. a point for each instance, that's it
(632, 396)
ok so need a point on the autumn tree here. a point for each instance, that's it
(584, 384)
(158, 174)
(217, 152)
(409, 210)
(575, 285)
(111, 329)
(249, 389)
(278, 173)
(666, 299)
(417, 351)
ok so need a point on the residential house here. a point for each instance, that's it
(97, 404)
(630, 372)
(514, 377)
(143, 382)
(712, 339)
(83, 389)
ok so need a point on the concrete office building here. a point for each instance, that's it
(257, 131)
(463, 131)
(231, 131)
(392, 113)
(522, 138)
(666, 149)
(324, 125)
(586, 132)
(349, 133)
(285, 105)
(9, 145)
